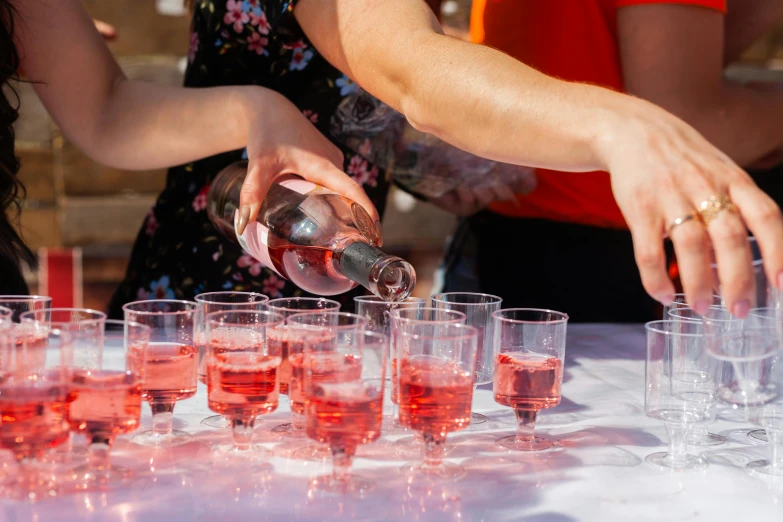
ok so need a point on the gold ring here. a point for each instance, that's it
(680, 220)
(709, 209)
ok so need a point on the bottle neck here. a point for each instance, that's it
(388, 277)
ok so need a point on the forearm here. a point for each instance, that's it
(144, 126)
(742, 121)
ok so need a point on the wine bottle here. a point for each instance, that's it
(319, 240)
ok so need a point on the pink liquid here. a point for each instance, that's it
(394, 382)
(345, 414)
(31, 358)
(435, 395)
(285, 347)
(172, 372)
(107, 403)
(527, 381)
(324, 367)
(33, 417)
(315, 265)
(242, 384)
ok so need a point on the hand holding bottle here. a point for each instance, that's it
(281, 140)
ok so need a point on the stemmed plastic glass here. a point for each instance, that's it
(221, 302)
(35, 386)
(436, 368)
(242, 379)
(400, 320)
(172, 363)
(766, 317)
(478, 310)
(378, 311)
(528, 369)
(680, 387)
(330, 328)
(715, 321)
(86, 327)
(343, 384)
(107, 382)
(771, 418)
(288, 306)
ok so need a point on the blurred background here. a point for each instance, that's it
(74, 203)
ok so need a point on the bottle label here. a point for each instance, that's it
(255, 239)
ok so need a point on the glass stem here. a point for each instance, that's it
(526, 425)
(242, 432)
(162, 415)
(678, 441)
(342, 459)
(433, 448)
(98, 457)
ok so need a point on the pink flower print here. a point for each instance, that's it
(257, 43)
(360, 170)
(258, 19)
(253, 266)
(151, 223)
(300, 59)
(218, 254)
(310, 115)
(200, 201)
(272, 286)
(299, 44)
(193, 49)
(235, 16)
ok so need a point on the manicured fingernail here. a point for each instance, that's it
(244, 216)
(780, 281)
(701, 306)
(666, 300)
(740, 309)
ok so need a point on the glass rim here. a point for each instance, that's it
(376, 299)
(654, 327)
(673, 312)
(395, 314)
(467, 331)
(771, 330)
(30, 316)
(202, 297)
(304, 299)
(192, 306)
(211, 318)
(495, 299)
(361, 322)
(562, 317)
(22, 298)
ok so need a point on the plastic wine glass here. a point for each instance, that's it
(107, 381)
(331, 327)
(716, 320)
(680, 386)
(766, 317)
(771, 419)
(528, 369)
(172, 363)
(377, 311)
(478, 310)
(34, 390)
(19, 304)
(437, 365)
(242, 378)
(343, 383)
(221, 302)
(86, 327)
(288, 306)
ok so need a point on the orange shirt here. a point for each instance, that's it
(574, 40)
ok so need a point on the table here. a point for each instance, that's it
(597, 473)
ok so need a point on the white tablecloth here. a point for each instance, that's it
(596, 473)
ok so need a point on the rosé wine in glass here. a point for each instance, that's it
(107, 403)
(171, 359)
(528, 369)
(242, 379)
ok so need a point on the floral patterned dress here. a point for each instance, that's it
(178, 253)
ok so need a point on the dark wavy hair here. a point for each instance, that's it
(12, 191)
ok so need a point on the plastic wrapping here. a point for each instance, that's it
(418, 161)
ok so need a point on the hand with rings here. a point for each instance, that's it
(669, 181)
